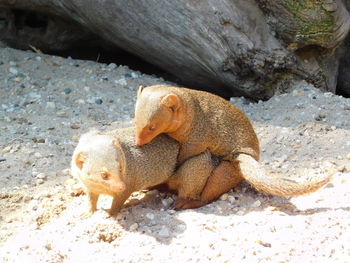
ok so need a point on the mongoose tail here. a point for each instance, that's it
(255, 174)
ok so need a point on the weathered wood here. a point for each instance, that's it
(229, 46)
(313, 30)
(306, 22)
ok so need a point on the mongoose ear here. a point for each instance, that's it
(120, 156)
(80, 159)
(139, 91)
(171, 101)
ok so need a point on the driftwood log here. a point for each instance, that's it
(242, 47)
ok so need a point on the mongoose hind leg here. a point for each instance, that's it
(190, 180)
(225, 177)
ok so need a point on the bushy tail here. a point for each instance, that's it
(254, 173)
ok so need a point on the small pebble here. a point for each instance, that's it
(98, 101)
(164, 203)
(13, 71)
(70, 181)
(133, 227)
(67, 91)
(164, 232)
(61, 113)
(37, 58)
(75, 126)
(50, 105)
(45, 195)
(66, 172)
(75, 138)
(38, 140)
(343, 169)
(15, 148)
(267, 118)
(257, 203)
(167, 202)
(329, 185)
(27, 198)
(33, 205)
(37, 155)
(112, 66)
(2, 159)
(121, 82)
(134, 75)
(127, 75)
(240, 213)
(150, 216)
(348, 156)
(171, 211)
(277, 164)
(48, 246)
(41, 176)
(7, 149)
(224, 197)
(76, 190)
(231, 199)
(265, 244)
(39, 181)
(320, 117)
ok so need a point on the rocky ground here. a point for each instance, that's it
(47, 102)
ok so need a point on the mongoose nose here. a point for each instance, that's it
(118, 187)
(139, 142)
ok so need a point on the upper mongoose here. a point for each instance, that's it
(110, 163)
(203, 121)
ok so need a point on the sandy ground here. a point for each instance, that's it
(47, 102)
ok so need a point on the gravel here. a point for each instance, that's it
(47, 102)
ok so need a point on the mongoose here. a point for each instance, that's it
(202, 121)
(110, 163)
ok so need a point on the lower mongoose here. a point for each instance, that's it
(110, 163)
(202, 121)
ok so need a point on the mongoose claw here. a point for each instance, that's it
(172, 206)
(86, 214)
(182, 204)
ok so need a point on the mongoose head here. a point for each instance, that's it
(157, 111)
(98, 163)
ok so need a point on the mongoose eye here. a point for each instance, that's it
(152, 127)
(172, 108)
(105, 176)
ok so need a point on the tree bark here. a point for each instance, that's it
(241, 47)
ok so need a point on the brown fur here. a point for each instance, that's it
(110, 163)
(203, 121)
